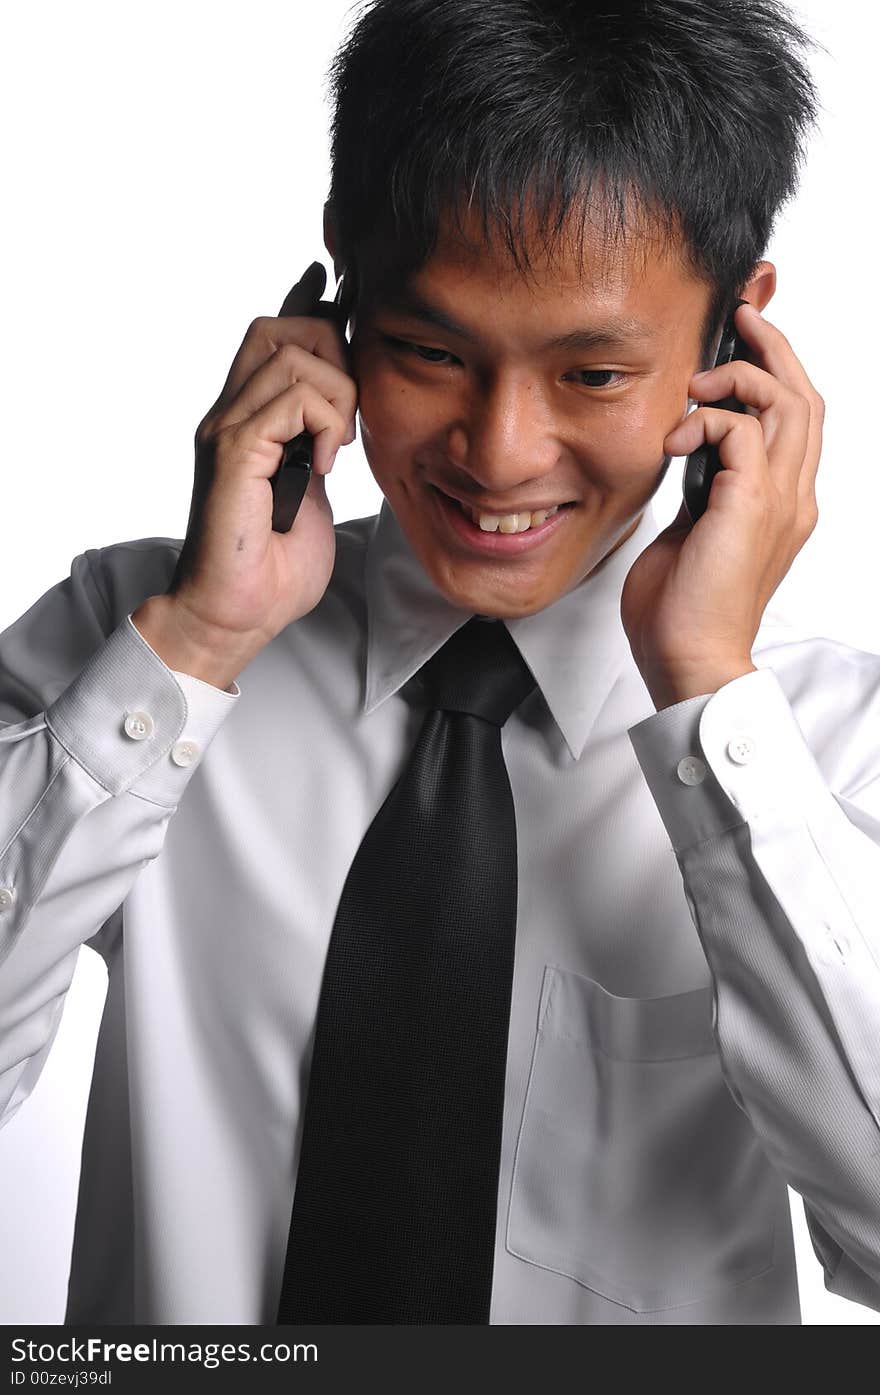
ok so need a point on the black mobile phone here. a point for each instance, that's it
(291, 479)
(703, 464)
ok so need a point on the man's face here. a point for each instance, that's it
(484, 410)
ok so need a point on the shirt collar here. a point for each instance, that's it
(575, 647)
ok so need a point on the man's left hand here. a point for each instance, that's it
(693, 601)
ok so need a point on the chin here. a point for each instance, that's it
(476, 585)
(495, 596)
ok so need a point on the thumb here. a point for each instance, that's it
(302, 298)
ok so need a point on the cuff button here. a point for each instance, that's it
(138, 725)
(691, 770)
(184, 752)
(7, 896)
(741, 749)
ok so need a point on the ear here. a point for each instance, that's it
(759, 288)
(331, 238)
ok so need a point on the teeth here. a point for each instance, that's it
(509, 522)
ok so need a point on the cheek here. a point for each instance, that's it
(392, 427)
(623, 448)
(389, 408)
(632, 441)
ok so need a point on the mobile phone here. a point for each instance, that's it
(290, 481)
(703, 464)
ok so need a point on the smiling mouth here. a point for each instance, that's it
(514, 522)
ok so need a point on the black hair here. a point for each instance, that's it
(694, 112)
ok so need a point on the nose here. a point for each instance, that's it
(503, 438)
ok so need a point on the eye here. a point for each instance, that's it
(443, 358)
(617, 378)
(422, 351)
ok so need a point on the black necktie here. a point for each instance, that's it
(394, 1213)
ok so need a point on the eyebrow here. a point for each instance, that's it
(623, 330)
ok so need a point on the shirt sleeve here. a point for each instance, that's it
(98, 742)
(781, 875)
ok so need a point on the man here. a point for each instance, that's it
(684, 1040)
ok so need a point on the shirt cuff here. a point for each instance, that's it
(819, 868)
(722, 759)
(135, 724)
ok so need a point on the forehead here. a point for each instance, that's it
(588, 255)
(641, 277)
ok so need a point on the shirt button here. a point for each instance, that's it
(741, 749)
(691, 770)
(138, 725)
(7, 896)
(184, 752)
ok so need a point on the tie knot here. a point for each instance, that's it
(478, 670)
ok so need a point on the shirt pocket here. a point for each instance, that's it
(635, 1172)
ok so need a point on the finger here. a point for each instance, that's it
(267, 333)
(740, 379)
(754, 387)
(289, 364)
(773, 350)
(300, 407)
(258, 343)
(739, 438)
(784, 415)
(302, 297)
(775, 353)
(779, 358)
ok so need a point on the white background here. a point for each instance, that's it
(163, 179)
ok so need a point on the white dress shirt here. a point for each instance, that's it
(695, 1019)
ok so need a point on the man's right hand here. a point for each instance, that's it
(237, 582)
